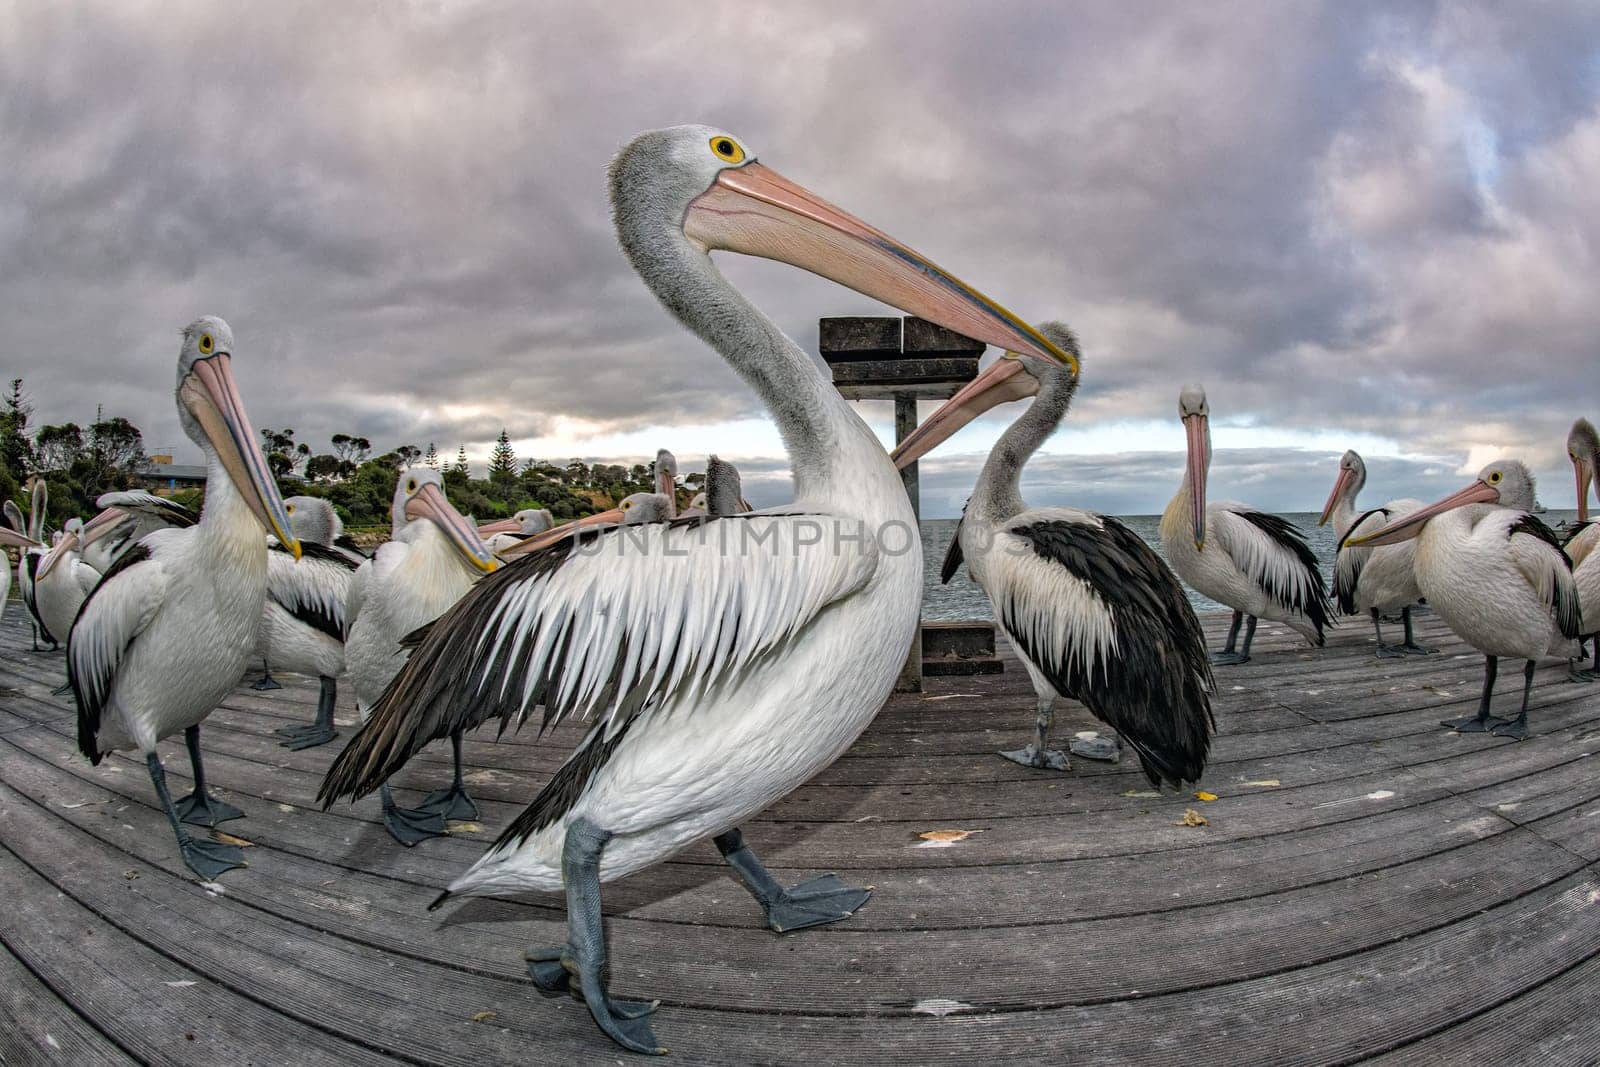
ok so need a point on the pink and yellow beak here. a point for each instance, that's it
(212, 396)
(1585, 476)
(1004, 381)
(66, 543)
(1199, 465)
(1345, 474)
(1479, 492)
(499, 526)
(430, 503)
(12, 539)
(613, 517)
(756, 211)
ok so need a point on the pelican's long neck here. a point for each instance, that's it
(227, 525)
(1344, 508)
(834, 455)
(998, 494)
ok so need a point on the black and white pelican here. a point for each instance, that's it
(1497, 576)
(167, 632)
(1090, 608)
(1255, 563)
(30, 559)
(303, 619)
(127, 516)
(725, 660)
(64, 578)
(1372, 581)
(1583, 542)
(433, 557)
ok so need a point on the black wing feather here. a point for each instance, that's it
(31, 561)
(91, 694)
(1156, 689)
(954, 557)
(1345, 596)
(1568, 614)
(1317, 607)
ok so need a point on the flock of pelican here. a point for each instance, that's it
(722, 656)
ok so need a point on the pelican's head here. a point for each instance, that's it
(666, 480)
(1016, 375)
(699, 189)
(723, 495)
(1583, 449)
(1505, 482)
(68, 540)
(1196, 416)
(419, 497)
(525, 523)
(639, 508)
(213, 415)
(313, 519)
(1352, 476)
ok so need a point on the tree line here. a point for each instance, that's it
(78, 463)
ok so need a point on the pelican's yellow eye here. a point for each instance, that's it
(206, 344)
(289, 508)
(727, 149)
(411, 486)
(1494, 479)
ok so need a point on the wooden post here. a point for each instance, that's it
(905, 421)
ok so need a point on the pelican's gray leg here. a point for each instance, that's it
(206, 858)
(408, 825)
(452, 803)
(1481, 722)
(1518, 727)
(319, 732)
(1386, 651)
(266, 681)
(1411, 648)
(1228, 657)
(584, 957)
(200, 807)
(1038, 754)
(823, 899)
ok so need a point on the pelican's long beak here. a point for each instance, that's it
(1479, 492)
(429, 503)
(1005, 380)
(210, 394)
(758, 212)
(1585, 478)
(1197, 469)
(498, 526)
(102, 524)
(13, 539)
(1333, 498)
(68, 542)
(558, 533)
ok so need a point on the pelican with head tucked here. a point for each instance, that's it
(32, 556)
(1372, 581)
(724, 661)
(433, 557)
(1497, 576)
(168, 631)
(1583, 542)
(1255, 563)
(1091, 610)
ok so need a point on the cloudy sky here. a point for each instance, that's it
(1358, 224)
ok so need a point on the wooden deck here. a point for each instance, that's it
(1366, 885)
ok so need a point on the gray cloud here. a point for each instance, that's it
(1355, 217)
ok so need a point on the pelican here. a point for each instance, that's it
(666, 471)
(168, 631)
(433, 558)
(1583, 544)
(725, 661)
(1374, 581)
(10, 537)
(126, 517)
(63, 579)
(1259, 565)
(1091, 610)
(303, 619)
(502, 534)
(722, 495)
(28, 562)
(1497, 576)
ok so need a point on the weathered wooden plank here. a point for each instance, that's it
(36, 1026)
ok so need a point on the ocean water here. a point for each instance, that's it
(961, 599)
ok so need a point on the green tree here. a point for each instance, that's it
(56, 448)
(284, 456)
(502, 462)
(431, 457)
(353, 450)
(16, 449)
(460, 466)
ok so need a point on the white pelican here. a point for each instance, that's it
(1497, 576)
(722, 495)
(666, 471)
(28, 562)
(167, 632)
(433, 558)
(1583, 543)
(504, 533)
(726, 660)
(1090, 608)
(1258, 564)
(303, 619)
(10, 537)
(1372, 581)
(126, 517)
(63, 579)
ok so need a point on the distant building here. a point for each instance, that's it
(159, 474)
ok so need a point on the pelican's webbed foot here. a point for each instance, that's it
(451, 803)
(817, 902)
(203, 809)
(1228, 659)
(266, 683)
(1517, 728)
(409, 826)
(319, 732)
(1473, 724)
(1044, 759)
(209, 858)
(1390, 651)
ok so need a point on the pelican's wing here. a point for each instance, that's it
(1581, 540)
(1107, 623)
(118, 611)
(314, 589)
(30, 599)
(1537, 552)
(357, 592)
(1350, 560)
(1273, 554)
(608, 623)
(347, 544)
(954, 557)
(169, 512)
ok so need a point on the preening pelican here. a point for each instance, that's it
(31, 558)
(1255, 563)
(725, 661)
(167, 632)
(1090, 609)
(303, 619)
(1372, 581)
(63, 579)
(1497, 576)
(1583, 543)
(433, 558)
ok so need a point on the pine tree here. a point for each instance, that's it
(431, 457)
(461, 461)
(502, 461)
(16, 447)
